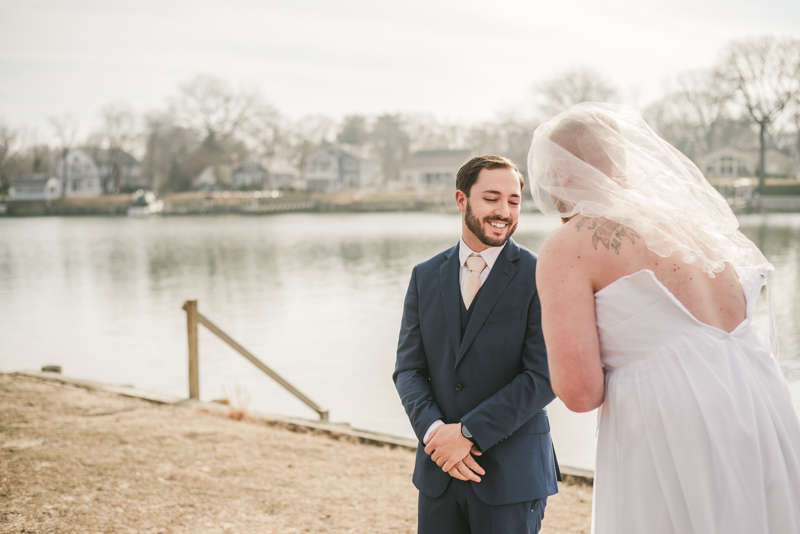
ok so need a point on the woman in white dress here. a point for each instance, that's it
(648, 292)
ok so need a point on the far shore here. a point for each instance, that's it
(242, 202)
(271, 202)
(78, 459)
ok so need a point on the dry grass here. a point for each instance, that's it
(237, 400)
(74, 460)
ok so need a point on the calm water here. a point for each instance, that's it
(316, 297)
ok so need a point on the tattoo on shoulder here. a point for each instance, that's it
(610, 234)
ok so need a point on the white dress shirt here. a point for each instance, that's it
(490, 256)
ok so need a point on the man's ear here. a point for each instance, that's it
(461, 200)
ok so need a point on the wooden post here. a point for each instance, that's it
(193, 318)
(194, 369)
(323, 414)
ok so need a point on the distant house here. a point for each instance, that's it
(119, 170)
(79, 174)
(338, 169)
(795, 171)
(433, 169)
(206, 180)
(36, 187)
(250, 174)
(731, 162)
(284, 175)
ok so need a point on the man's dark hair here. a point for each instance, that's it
(468, 173)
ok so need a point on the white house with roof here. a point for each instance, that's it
(731, 162)
(41, 186)
(118, 169)
(80, 175)
(336, 168)
(433, 169)
(93, 171)
(284, 175)
(206, 180)
(250, 174)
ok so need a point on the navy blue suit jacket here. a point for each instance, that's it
(494, 380)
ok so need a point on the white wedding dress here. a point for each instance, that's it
(697, 433)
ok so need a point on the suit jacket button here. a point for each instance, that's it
(458, 387)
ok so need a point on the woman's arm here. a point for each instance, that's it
(568, 322)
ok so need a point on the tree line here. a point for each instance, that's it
(750, 98)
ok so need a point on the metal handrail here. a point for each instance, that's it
(193, 318)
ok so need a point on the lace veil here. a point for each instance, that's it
(603, 160)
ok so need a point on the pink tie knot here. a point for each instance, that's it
(476, 263)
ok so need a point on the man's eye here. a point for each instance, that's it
(490, 199)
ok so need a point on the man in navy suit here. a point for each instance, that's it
(472, 369)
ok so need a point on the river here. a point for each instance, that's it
(317, 297)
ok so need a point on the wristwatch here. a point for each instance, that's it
(466, 433)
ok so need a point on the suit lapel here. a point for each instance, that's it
(451, 297)
(503, 271)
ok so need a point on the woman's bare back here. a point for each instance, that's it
(614, 251)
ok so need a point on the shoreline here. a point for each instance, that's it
(77, 459)
(571, 475)
(254, 203)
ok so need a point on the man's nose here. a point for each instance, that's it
(503, 210)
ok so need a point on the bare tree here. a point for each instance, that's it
(156, 160)
(784, 133)
(118, 135)
(353, 130)
(170, 159)
(505, 136)
(563, 91)
(426, 132)
(21, 153)
(119, 128)
(306, 135)
(8, 136)
(508, 135)
(390, 143)
(213, 109)
(267, 133)
(65, 129)
(763, 76)
(691, 115)
(796, 124)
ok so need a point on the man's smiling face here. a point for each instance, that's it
(491, 211)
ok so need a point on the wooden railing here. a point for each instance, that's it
(193, 318)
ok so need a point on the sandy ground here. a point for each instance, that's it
(76, 460)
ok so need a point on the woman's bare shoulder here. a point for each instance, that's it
(596, 233)
(605, 234)
(595, 248)
(562, 251)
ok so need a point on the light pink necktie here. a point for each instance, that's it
(472, 280)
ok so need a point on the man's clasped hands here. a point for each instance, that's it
(454, 453)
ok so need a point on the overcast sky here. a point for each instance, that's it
(457, 59)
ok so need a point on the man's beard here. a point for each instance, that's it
(476, 227)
